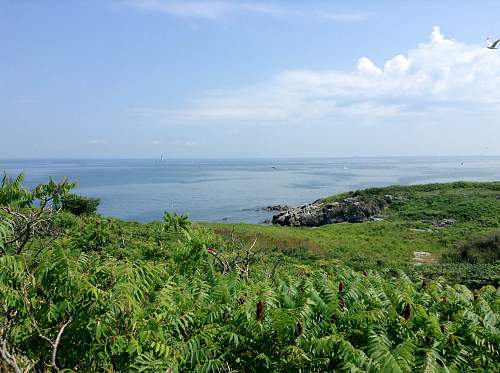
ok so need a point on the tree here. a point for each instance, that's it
(30, 211)
(80, 205)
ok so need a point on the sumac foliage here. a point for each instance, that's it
(105, 295)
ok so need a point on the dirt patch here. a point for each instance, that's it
(422, 257)
(428, 230)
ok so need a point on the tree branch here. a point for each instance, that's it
(32, 319)
(222, 261)
(245, 270)
(56, 343)
(9, 358)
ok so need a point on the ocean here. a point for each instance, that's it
(236, 190)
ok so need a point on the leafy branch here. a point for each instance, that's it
(53, 343)
(30, 211)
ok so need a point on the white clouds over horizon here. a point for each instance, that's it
(441, 76)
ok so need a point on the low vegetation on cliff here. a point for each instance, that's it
(80, 292)
(437, 221)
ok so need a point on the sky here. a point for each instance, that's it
(248, 79)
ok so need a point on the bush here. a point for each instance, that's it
(474, 276)
(482, 250)
(79, 205)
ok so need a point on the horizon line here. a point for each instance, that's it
(251, 158)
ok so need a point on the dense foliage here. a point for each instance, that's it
(96, 294)
(79, 205)
(481, 250)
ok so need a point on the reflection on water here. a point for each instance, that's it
(233, 190)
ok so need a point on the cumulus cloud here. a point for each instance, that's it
(441, 75)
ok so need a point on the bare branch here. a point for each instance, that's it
(245, 268)
(8, 357)
(253, 244)
(56, 343)
(270, 274)
(17, 214)
(18, 237)
(243, 265)
(34, 222)
(222, 261)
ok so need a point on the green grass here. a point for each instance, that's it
(407, 226)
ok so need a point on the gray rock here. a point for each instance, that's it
(444, 223)
(351, 210)
(275, 208)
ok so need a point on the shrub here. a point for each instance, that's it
(482, 250)
(79, 205)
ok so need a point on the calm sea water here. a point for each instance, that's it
(234, 190)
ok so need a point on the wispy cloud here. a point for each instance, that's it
(344, 17)
(183, 143)
(197, 9)
(98, 142)
(26, 100)
(217, 9)
(438, 77)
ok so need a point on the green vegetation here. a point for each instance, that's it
(485, 249)
(433, 218)
(79, 292)
(79, 205)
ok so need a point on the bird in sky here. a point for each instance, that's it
(492, 45)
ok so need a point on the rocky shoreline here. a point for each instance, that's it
(318, 213)
(275, 208)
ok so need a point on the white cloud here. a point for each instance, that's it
(183, 144)
(204, 9)
(439, 76)
(365, 66)
(215, 9)
(344, 17)
(156, 142)
(98, 142)
(397, 65)
(199, 9)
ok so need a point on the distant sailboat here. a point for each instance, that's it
(163, 159)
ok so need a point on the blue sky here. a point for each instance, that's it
(209, 79)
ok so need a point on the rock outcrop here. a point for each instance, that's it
(444, 223)
(351, 210)
(275, 208)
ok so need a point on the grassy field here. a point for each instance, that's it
(410, 225)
